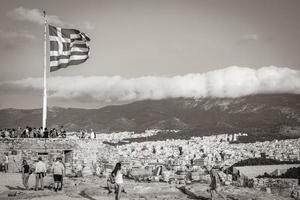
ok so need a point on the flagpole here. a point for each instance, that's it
(45, 74)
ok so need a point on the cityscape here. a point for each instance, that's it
(149, 100)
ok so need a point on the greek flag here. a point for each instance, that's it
(67, 47)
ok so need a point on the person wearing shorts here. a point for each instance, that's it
(118, 177)
(40, 173)
(58, 171)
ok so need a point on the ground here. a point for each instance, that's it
(94, 188)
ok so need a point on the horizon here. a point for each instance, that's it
(124, 104)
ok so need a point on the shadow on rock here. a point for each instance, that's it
(14, 188)
(84, 195)
(190, 194)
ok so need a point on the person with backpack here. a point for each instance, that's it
(58, 172)
(214, 186)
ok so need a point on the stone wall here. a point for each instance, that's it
(78, 154)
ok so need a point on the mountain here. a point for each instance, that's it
(264, 114)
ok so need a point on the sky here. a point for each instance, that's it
(151, 50)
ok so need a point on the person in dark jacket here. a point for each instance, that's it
(25, 174)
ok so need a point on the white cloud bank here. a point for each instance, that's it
(228, 82)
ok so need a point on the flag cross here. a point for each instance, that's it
(61, 40)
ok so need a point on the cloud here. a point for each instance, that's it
(228, 82)
(86, 25)
(249, 38)
(13, 39)
(36, 16)
(15, 35)
(33, 15)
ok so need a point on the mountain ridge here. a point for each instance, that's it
(256, 113)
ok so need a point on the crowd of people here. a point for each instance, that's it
(29, 132)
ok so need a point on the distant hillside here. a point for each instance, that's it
(259, 114)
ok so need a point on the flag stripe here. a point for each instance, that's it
(66, 60)
(58, 39)
(72, 50)
(55, 56)
(80, 45)
(64, 65)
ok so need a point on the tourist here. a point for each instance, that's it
(19, 132)
(215, 184)
(25, 133)
(58, 172)
(40, 173)
(117, 174)
(6, 163)
(40, 132)
(92, 134)
(62, 132)
(46, 133)
(25, 174)
(7, 133)
(1, 166)
(31, 133)
(35, 133)
(111, 184)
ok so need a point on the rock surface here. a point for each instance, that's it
(94, 188)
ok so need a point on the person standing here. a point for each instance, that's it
(46, 133)
(92, 134)
(62, 132)
(58, 172)
(25, 174)
(111, 184)
(40, 173)
(6, 163)
(215, 185)
(40, 132)
(117, 173)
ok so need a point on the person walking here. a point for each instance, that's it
(25, 174)
(58, 172)
(215, 185)
(117, 173)
(6, 163)
(40, 173)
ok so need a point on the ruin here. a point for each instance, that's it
(77, 154)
